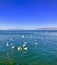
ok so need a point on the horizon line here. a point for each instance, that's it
(40, 28)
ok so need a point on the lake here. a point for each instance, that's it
(28, 47)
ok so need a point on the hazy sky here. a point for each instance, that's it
(28, 14)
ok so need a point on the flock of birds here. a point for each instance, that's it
(21, 47)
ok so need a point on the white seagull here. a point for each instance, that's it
(24, 45)
(19, 48)
(7, 44)
(25, 48)
(36, 43)
(23, 36)
(11, 44)
(13, 47)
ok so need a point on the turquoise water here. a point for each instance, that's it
(41, 47)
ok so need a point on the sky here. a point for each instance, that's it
(28, 14)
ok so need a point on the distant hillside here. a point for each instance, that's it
(46, 29)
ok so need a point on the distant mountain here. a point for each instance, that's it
(50, 28)
(46, 29)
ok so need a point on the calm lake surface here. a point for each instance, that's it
(28, 47)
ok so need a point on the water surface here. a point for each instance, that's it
(41, 47)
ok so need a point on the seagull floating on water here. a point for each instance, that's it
(7, 44)
(11, 39)
(24, 45)
(11, 44)
(23, 36)
(13, 47)
(36, 43)
(25, 48)
(22, 48)
(19, 48)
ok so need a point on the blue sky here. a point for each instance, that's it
(28, 14)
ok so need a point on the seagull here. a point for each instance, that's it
(19, 48)
(11, 39)
(25, 49)
(7, 44)
(36, 43)
(11, 44)
(24, 45)
(13, 47)
(23, 36)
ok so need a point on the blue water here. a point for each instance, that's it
(41, 47)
